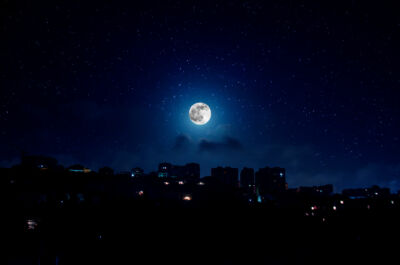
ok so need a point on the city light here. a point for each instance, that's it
(200, 183)
(31, 224)
(141, 193)
(180, 182)
(166, 183)
(334, 208)
(187, 198)
(341, 202)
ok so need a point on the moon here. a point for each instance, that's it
(200, 113)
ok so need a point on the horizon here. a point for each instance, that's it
(155, 169)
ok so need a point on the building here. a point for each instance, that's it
(164, 170)
(317, 190)
(226, 175)
(137, 172)
(247, 180)
(188, 172)
(79, 169)
(372, 192)
(270, 180)
(40, 162)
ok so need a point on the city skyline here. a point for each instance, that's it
(242, 177)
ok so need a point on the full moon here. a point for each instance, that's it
(200, 113)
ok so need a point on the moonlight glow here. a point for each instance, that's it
(200, 113)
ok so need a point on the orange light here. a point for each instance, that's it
(187, 198)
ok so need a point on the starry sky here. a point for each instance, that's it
(312, 87)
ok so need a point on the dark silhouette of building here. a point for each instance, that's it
(164, 170)
(106, 171)
(317, 190)
(372, 192)
(270, 180)
(41, 162)
(188, 172)
(226, 175)
(247, 180)
(78, 169)
(137, 172)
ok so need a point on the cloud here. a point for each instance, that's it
(182, 142)
(227, 144)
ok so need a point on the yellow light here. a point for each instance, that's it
(187, 198)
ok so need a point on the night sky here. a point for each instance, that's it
(311, 87)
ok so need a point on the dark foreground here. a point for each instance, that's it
(144, 233)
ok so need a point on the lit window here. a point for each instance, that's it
(201, 183)
(166, 183)
(141, 193)
(341, 202)
(281, 174)
(180, 182)
(334, 208)
(392, 202)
